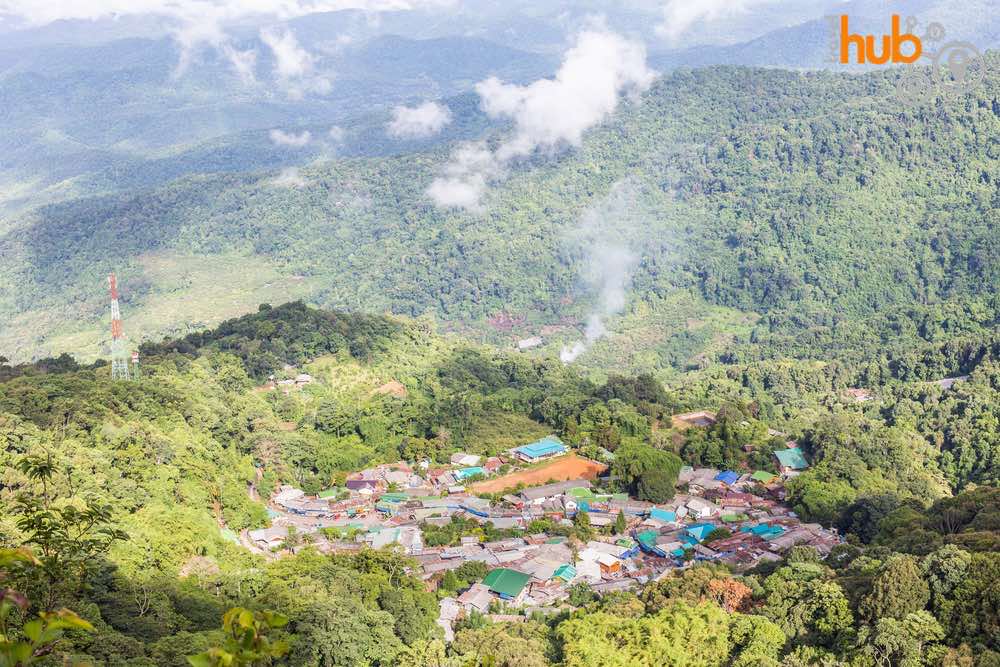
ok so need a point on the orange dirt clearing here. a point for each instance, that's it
(559, 469)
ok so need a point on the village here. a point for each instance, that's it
(735, 518)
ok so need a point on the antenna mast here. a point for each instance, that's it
(119, 357)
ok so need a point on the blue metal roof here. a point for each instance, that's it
(700, 531)
(662, 515)
(544, 447)
(727, 477)
(466, 473)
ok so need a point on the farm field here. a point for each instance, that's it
(559, 469)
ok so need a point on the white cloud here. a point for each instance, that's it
(680, 15)
(282, 138)
(294, 67)
(336, 133)
(548, 114)
(418, 122)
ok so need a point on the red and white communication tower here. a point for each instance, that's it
(119, 357)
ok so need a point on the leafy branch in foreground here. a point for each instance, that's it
(24, 644)
(247, 642)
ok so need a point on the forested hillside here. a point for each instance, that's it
(155, 476)
(786, 213)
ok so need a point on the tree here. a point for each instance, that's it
(412, 610)
(805, 605)
(70, 538)
(427, 654)
(580, 594)
(754, 641)
(581, 522)
(341, 632)
(646, 472)
(898, 590)
(907, 642)
(621, 525)
(730, 594)
(944, 571)
(502, 645)
(974, 615)
(677, 635)
(863, 516)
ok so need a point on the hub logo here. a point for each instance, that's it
(951, 67)
(892, 45)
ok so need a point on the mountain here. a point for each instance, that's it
(797, 210)
(92, 119)
(102, 106)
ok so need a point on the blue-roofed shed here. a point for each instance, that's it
(727, 477)
(662, 515)
(544, 448)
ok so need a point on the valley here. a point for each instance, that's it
(563, 333)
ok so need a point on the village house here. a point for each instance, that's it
(537, 494)
(269, 538)
(509, 585)
(478, 598)
(465, 460)
(791, 460)
(699, 508)
(545, 448)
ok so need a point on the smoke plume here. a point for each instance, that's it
(607, 235)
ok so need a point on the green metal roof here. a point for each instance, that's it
(792, 458)
(647, 536)
(762, 476)
(564, 572)
(506, 582)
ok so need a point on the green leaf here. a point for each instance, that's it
(275, 620)
(200, 660)
(246, 618)
(33, 630)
